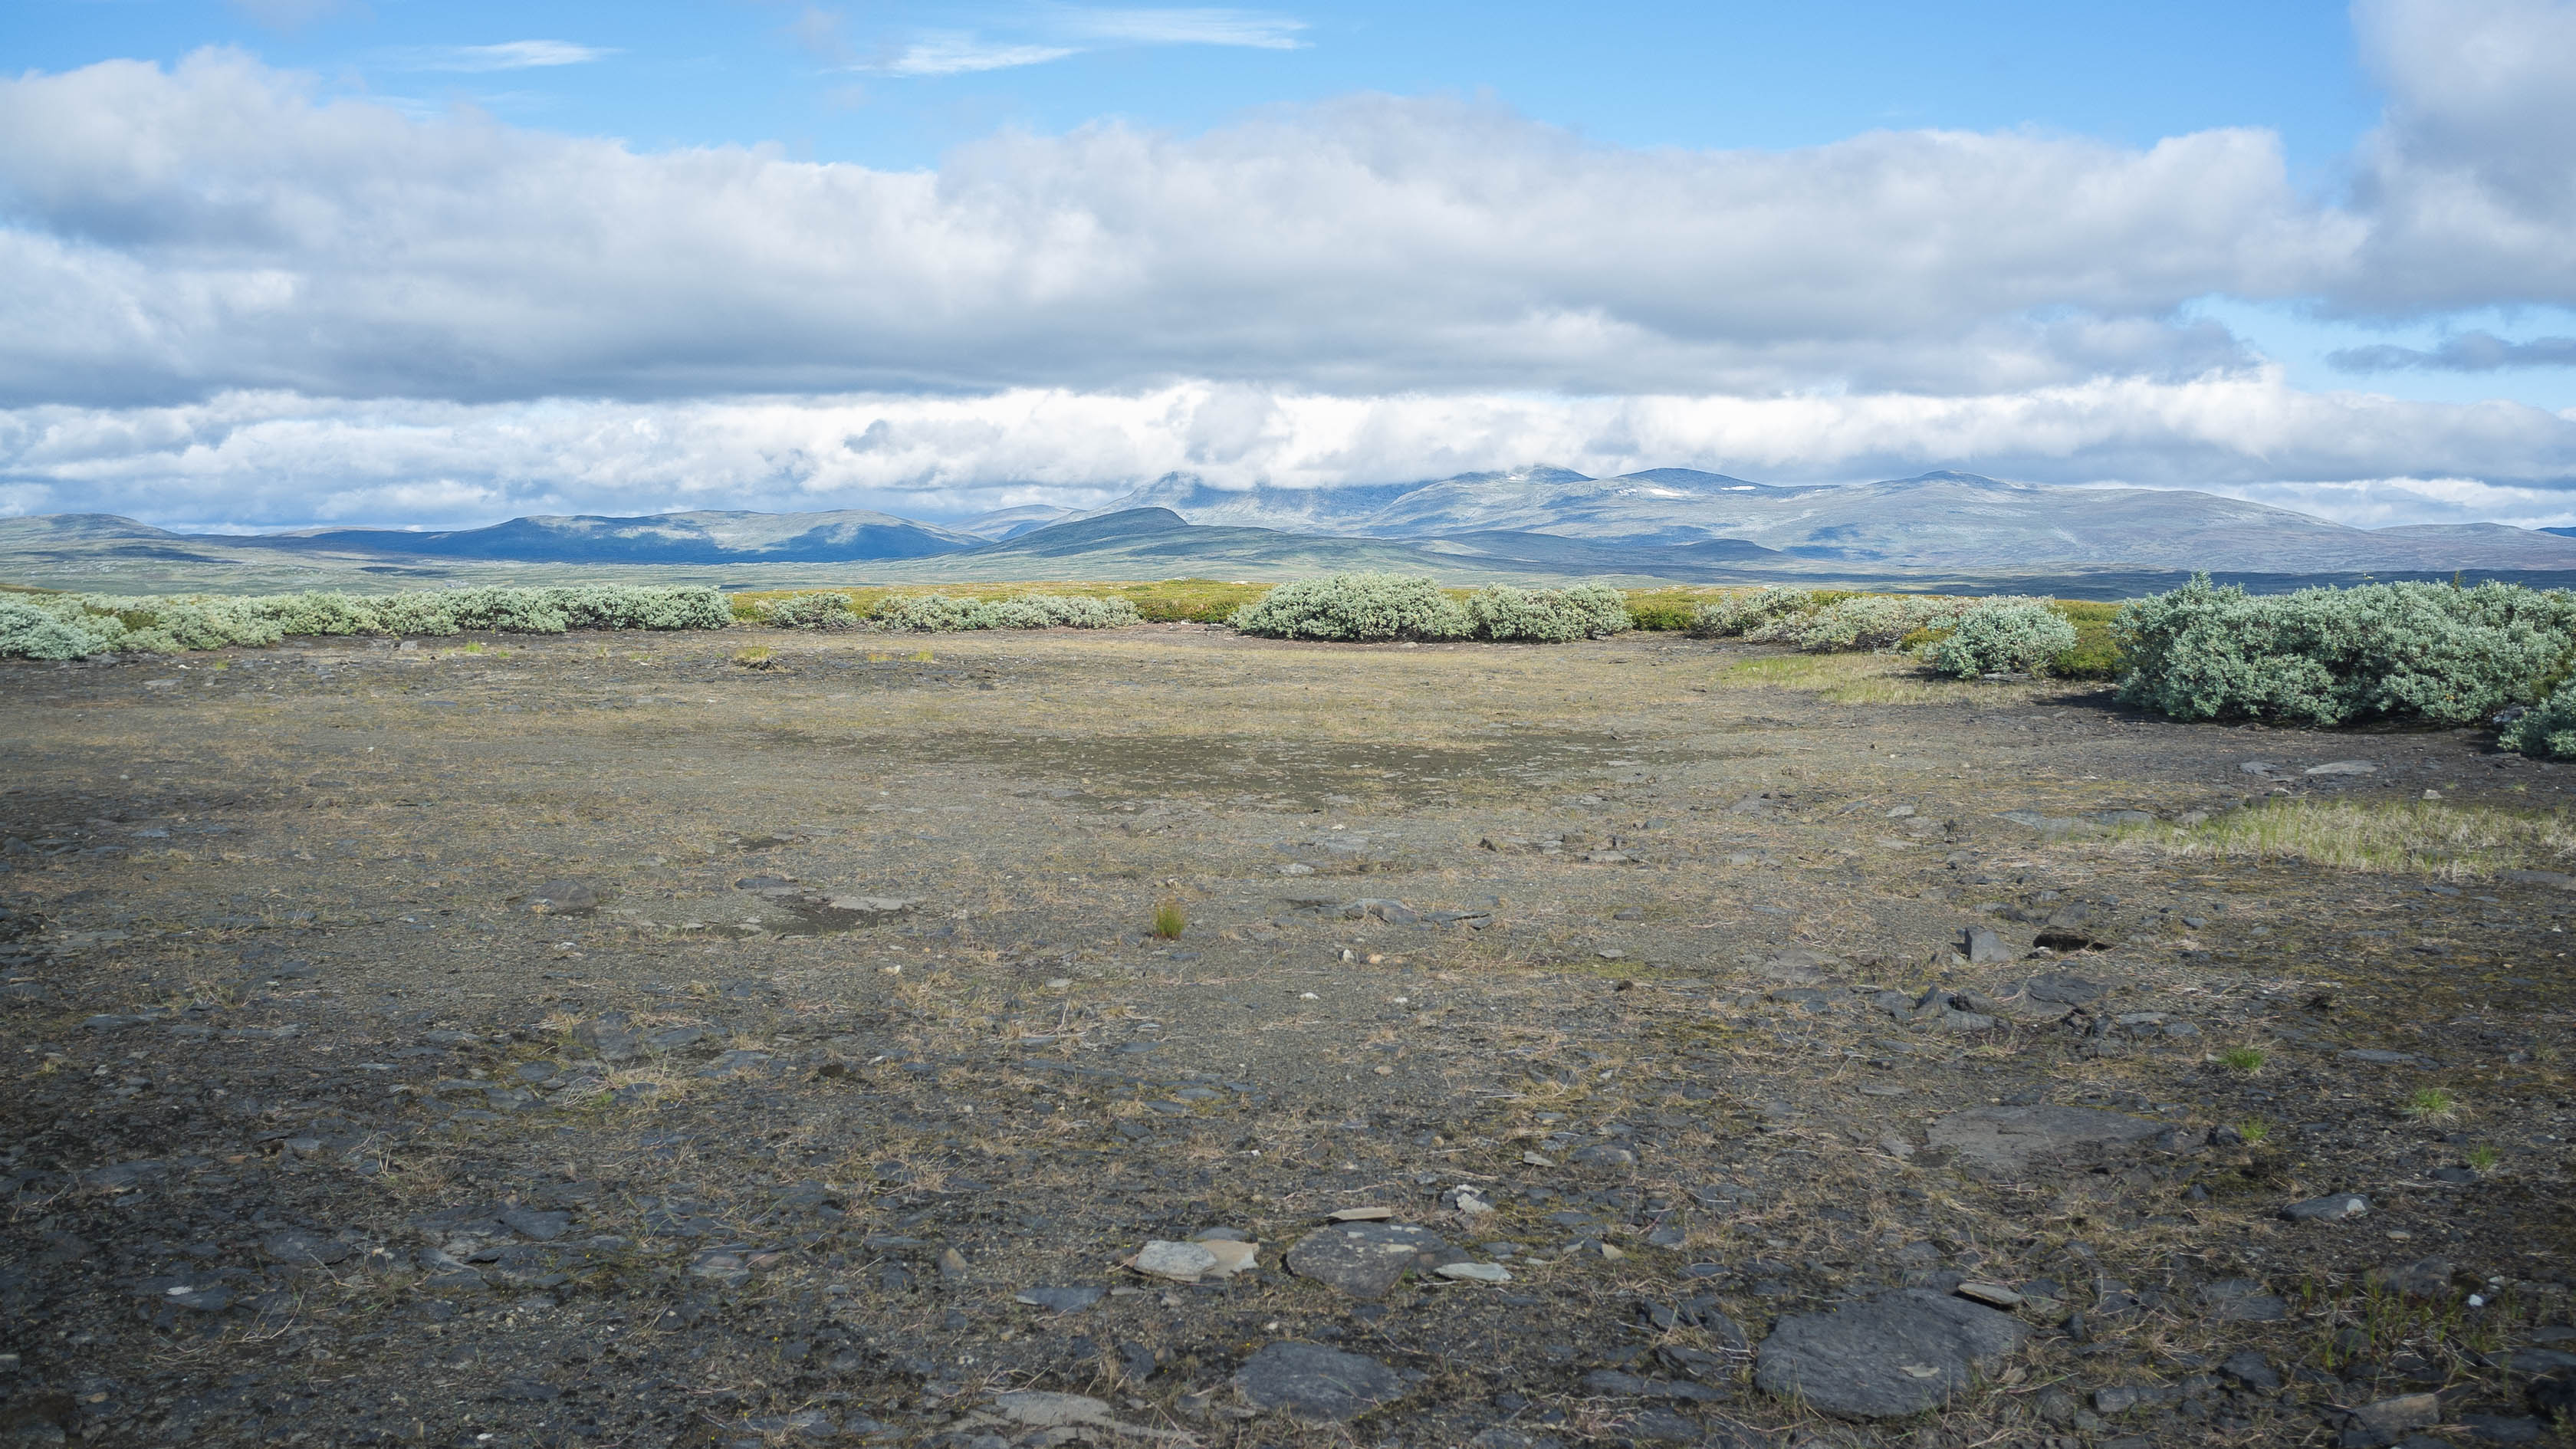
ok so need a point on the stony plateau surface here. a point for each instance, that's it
(594, 1041)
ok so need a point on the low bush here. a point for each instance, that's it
(1740, 614)
(77, 626)
(29, 631)
(2003, 636)
(1548, 616)
(1861, 622)
(1161, 601)
(2428, 653)
(1355, 606)
(807, 611)
(938, 613)
(2546, 731)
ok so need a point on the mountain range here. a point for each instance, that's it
(1530, 523)
(1938, 521)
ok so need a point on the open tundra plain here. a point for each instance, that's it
(596, 1040)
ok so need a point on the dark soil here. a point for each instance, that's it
(592, 1041)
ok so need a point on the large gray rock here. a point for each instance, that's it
(1311, 1382)
(1897, 1354)
(1365, 1260)
(2007, 1142)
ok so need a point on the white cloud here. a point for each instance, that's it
(224, 295)
(220, 227)
(508, 55)
(1070, 31)
(2471, 179)
(958, 53)
(1251, 28)
(278, 459)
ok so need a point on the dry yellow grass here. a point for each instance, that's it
(2418, 837)
(1864, 679)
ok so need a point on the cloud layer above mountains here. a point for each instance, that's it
(224, 290)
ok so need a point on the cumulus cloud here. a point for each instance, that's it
(279, 459)
(230, 294)
(222, 227)
(2470, 182)
(2468, 352)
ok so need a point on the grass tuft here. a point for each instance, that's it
(2241, 1059)
(1856, 679)
(2431, 1104)
(2253, 1129)
(2402, 837)
(2484, 1157)
(1169, 923)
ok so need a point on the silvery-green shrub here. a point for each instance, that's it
(2437, 653)
(1862, 622)
(1355, 606)
(507, 611)
(2003, 636)
(76, 626)
(29, 631)
(1738, 614)
(938, 613)
(1044, 611)
(318, 611)
(1549, 616)
(426, 612)
(642, 606)
(925, 613)
(809, 611)
(2546, 731)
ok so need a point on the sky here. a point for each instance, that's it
(277, 263)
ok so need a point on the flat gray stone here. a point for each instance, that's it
(2423, 1278)
(1059, 1300)
(2242, 1300)
(2049, 825)
(302, 1249)
(2064, 990)
(2009, 1141)
(1983, 947)
(1366, 1260)
(1317, 1384)
(1801, 967)
(562, 898)
(1900, 1353)
(2329, 1208)
(1038, 1409)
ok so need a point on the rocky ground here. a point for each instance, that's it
(597, 1041)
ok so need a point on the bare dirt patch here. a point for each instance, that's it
(593, 1040)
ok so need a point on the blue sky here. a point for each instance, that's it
(290, 261)
(826, 82)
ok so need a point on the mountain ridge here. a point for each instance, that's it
(1682, 519)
